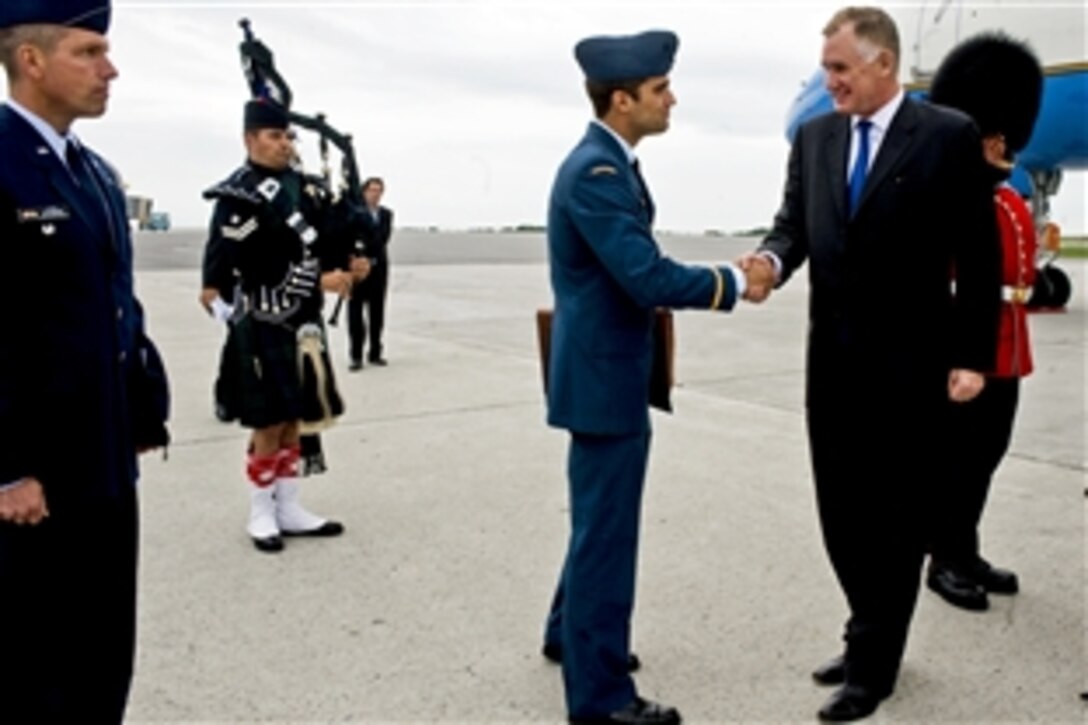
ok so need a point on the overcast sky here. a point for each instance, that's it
(466, 108)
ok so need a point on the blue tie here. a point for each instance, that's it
(861, 165)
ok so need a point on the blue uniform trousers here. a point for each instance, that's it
(68, 606)
(591, 611)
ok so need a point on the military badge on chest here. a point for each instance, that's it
(45, 217)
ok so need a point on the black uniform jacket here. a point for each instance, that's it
(252, 246)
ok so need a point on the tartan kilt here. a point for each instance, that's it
(285, 375)
(269, 385)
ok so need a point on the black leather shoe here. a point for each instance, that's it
(329, 528)
(832, 672)
(269, 544)
(957, 587)
(992, 579)
(554, 654)
(850, 702)
(639, 712)
(379, 361)
(355, 365)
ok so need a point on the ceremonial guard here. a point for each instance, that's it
(82, 388)
(272, 232)
(998, 82)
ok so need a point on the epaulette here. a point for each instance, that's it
(241, 184)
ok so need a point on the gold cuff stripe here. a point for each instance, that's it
(719, 288)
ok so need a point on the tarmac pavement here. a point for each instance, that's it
(430, 608)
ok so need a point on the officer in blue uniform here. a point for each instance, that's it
(82, 389)
(608, 275)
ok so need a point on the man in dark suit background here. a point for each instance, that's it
(608, 274)
(883, 198)
(377, 224)
(81, 387)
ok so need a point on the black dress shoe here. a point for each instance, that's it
(554, 653)
(379, 361)
(355, 365)
(329, 528)
(639, 712)
(269, 544)
(832, 672)
(957, 587)
(992, 579)
(850, 702)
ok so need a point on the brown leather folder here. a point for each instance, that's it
(662, 375)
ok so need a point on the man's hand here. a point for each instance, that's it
(207, 296)
(964, 385)
(760, 275)
(337, 281)
(360, 268)
(23, 503)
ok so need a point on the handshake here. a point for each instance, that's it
(760, 274)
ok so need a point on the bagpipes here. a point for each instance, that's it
(266, 82)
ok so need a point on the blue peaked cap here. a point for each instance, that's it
(609, 58)
(87, 14)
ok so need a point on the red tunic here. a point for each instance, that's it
(1018, 247)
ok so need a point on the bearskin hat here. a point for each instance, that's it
(995, 80)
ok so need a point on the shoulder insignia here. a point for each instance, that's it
(603, 169)
(239, 232)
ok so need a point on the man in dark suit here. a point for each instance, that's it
(883, 198)
(377, 222)
(81, 387)
(608, 274)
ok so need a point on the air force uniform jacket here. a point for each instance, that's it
(81, 386)
(608, 274)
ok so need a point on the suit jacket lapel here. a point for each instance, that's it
(113, 201)
(899, 138)
(837, 146)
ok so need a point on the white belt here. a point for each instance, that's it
(1019, 295)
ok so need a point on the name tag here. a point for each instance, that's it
(43, 214)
